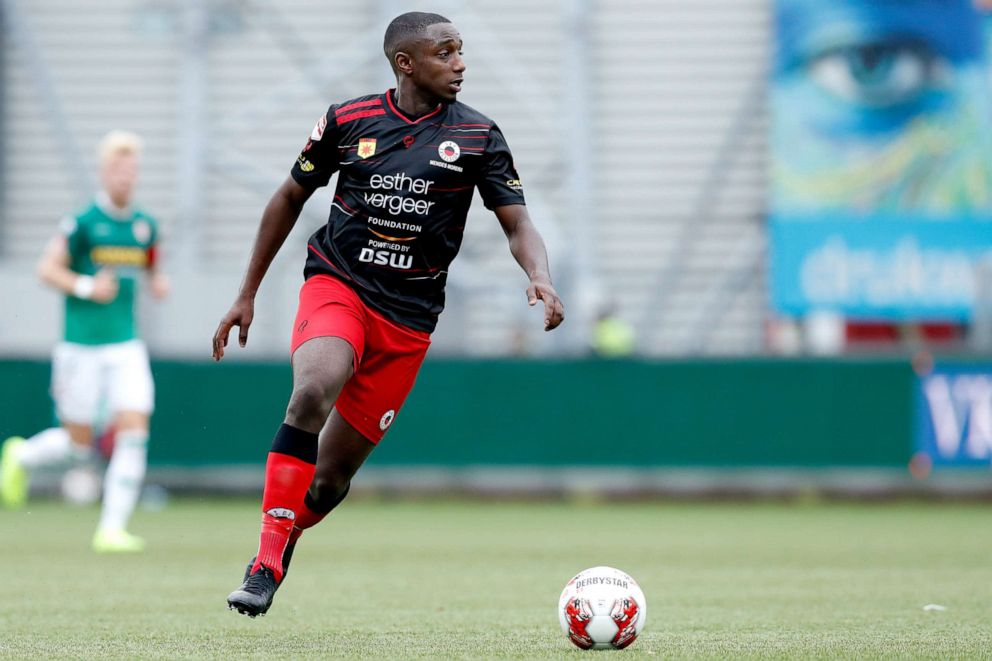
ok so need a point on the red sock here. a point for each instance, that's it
(271, 543)
(305, 518)
(288, 473)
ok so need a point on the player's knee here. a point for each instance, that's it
(80, 435)
(327, 491)
(309, 404)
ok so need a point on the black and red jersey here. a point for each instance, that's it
(402, 197)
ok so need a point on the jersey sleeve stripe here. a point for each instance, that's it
(353, 106)
(342, 119)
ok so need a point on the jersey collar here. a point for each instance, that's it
(107, 206)
(399, 113)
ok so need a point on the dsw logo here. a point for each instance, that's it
(961, 413)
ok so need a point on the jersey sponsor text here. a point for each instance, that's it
(447, 166)
(395, 224)
(400, 181)
(386, 258)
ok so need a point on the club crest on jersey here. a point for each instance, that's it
(318, 129)
(366, 147)
(142, 231)
(449, 151)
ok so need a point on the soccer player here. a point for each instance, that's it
(408, 163)
(97, 260)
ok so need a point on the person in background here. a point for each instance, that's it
(101, 368)
(612, 336)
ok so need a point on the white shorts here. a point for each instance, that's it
(88, 380)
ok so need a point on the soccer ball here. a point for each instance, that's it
(80, 486)
(602, 608)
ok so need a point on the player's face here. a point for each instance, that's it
(438, 65)
(119, 177)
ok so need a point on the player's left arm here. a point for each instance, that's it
(528, 249)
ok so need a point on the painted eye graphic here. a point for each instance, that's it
(879, 75)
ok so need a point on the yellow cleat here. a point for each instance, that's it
(117, 541)
(13, 477)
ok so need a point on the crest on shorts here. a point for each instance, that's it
(366, 147)
(386, 419)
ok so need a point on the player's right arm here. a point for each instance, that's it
(53, 270)
(278, 219)
(313, 169)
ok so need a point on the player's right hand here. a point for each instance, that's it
(105, 286)
(240, 315)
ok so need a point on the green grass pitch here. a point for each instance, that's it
(480, 580)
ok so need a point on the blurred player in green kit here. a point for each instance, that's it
(100, 367)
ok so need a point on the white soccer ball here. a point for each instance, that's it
(602, 608)
(80, 486)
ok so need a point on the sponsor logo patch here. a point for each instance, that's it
(366, 147)
(305, 164)
(281, 513)
(119, 256)
(318, 129)
(449, 151)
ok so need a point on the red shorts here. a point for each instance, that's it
(387, 355)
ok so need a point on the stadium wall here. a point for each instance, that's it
(587, 414)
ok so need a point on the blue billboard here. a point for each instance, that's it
(953, 411)
(881, 157)
(888, 268)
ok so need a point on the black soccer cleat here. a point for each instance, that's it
(254, 596)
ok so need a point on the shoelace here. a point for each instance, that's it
(261, 581)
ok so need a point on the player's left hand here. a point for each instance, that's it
(554, 310)
(241, 315)
(159, 286)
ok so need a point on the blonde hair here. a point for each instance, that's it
(118, 142)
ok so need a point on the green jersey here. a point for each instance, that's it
(99, 238)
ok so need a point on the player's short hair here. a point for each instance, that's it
(118, 142)
(406, 28)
